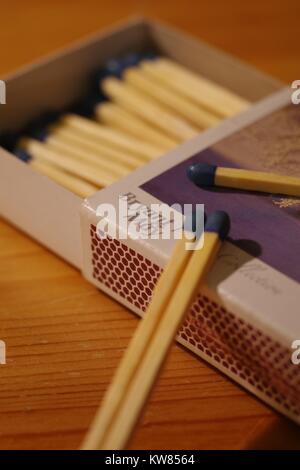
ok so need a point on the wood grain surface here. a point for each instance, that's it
(64, 338)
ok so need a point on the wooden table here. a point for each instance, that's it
(64, 338)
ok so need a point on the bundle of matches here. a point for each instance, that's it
(147, 351)
(142, 106)
(80, 154)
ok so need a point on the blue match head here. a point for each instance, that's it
(218, 222)
(86, 107)
(116, 67)
(150, 55)
(38, 127)
(202, 174)
(10, 142)
(131, 60)
(22, 155)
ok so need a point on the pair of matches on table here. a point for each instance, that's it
(138, 107)
(149, 347)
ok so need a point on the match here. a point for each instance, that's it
(200, 90)
(206, 175)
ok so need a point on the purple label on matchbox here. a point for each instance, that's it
(264, 225)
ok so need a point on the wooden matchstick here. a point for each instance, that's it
(204, 174)
(59, 144)
(152, 112)
(116, 116)
(116, 139)
(132, 356)
(194, 114)
(176, 289)
(206, 93)
(83, 141)
(76, 167)
(70, 182)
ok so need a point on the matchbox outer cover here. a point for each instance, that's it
(246, 317)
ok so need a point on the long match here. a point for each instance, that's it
(206, 175)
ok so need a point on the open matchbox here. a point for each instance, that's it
(246, 317)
